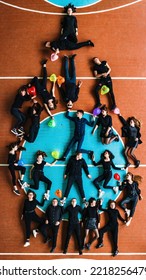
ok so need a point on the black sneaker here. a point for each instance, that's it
(65, 251)
(21, 129)
(116, 139)
(14, 131)
(115, 253)
(127, 165)
(90, 43)
(44, 61)
(91, 154)
(87, 246)
(99, 245)
(137, 163)
(16, 192)
(80, 252)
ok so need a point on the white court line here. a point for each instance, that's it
(71, 254)
(62, 165)
(85, 13)
(80, 78)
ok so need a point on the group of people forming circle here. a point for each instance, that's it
(69, 90)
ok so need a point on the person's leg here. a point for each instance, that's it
(36, 179)
(114, 233)
(134, 158)
(49, 183)
(33, 132)
(66, 69)
(69, 146)
(97, 180)
(107, 178)
(124, 202)
(54, 235)
(74, 46)
(133, 205)
(79, 182)
(77, 231)
(73, 70)
(19, 116)
(68, 236)
(44, 81)
(68, 187)
(110, 86)
(101, 234)
(97, 95)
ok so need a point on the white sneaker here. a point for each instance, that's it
(27, 243)
(62, 201)
(46, 196)
(128, 213)
(128, 223)
(115, 189)
(101, 193)
(35, 233)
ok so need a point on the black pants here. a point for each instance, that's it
(39, 176)
(68, 45)
(79, 181)
(106, 176)
(33, 132)
(108, 82)
(28, 218)
(79, 142)
(43, 229)
(114, 232)
(76, 229)
(13, 168)
(133, 202)
(20, 116)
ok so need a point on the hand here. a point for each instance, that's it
(140, 197)
(65, 176)
(57, 223)
(46, 222)
(21, 217)
(89, 176)
(80, 83)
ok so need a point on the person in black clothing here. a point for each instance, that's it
(71, 91)
(69, 31)
(79, 133)
(107, 135)
(102, 72)
(37, 173)
(133, 194)
(34, 113)
(106, 161)
(111, 226)
(20, 98)
(74, 173)
(91, 218)
(49, 100)
(131, 130)
(53, 218)
(29, 215)
(73, 224)
(14, 166)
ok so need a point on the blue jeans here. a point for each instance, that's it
(133, 201)
(70, 76)
(21, 118)
(72, 142)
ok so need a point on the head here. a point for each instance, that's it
(96, 60)
(104, 110)
(55, 202)
(129, 176)
(79, 156)
(107, 154)
(134, 122)
(23, 90)
(69, 104)
(112, 204)
(31, 195)
(69, 9)
(52, 104)
(92, 202)
(41, 155)
(80, 113)
(15, 146)
(73, 202)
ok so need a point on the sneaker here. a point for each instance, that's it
(127, 164)
(21, 129)
(27, 243)
(44, 61)
(16, 192)
(101, 193)
(137, 163)
(117, 138)
(80, 252)
(87, 246)
(85, 202)
(65, 251)
(90, 43)
(14, 131)
(46, 196)
(35, 233)
(115, 253)
(115, 189)
(91, 154)
(128, 223)
(62, 201)
(22, 183)
(128, 213)
(99, 245)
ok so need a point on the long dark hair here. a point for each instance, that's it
(13, 144)
(110, 154)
